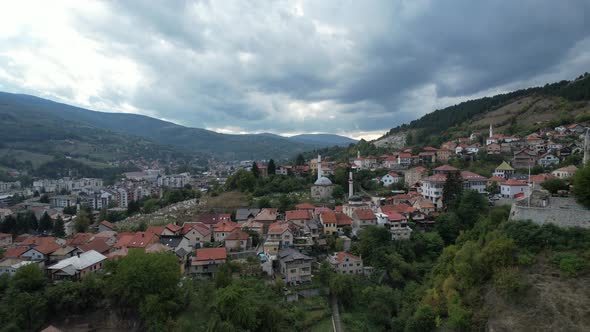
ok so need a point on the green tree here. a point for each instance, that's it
(255, 170)
(59, 229)
(263, 202)
(554, 185)
(44, 199)
(582, 185)
(452, 190)
(82, 221)
(45, 224)
(423, 320)
(29, 279)
(300, 160)
(242, 180)
(272, 167)
(338, 192)
(150, 206)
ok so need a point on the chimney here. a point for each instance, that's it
(350, 185)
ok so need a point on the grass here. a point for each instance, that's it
(323, 326)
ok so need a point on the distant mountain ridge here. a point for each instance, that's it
(195, 140)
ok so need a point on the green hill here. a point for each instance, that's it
(27, 115)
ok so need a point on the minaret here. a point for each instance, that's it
(350, 185)
(586, 147)
(358, 154)
(491, 130)
(319, 166)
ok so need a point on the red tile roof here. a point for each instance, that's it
(328, 217)
(298, 215)
(79, 238)
(237, 234)
(446, 168)
(305, 206)
(436, 178)
(513, 182)
(470, 176)
(342, 219)
(15, 252)
(364, 214)
(341, 256)
(98, 244)
(394, 216)
(280, 227)
(38, 240)
(142, 239)
(498, 179)
(398, 208)
(199, 227)
(173, 228)
(124, 239)
(4, 235)
(155, 230)
(214, 218)
(206, 254)
(108, 224)
(47, 248)
(225, 226)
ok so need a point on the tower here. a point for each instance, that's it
(319, 166)
(350, 185)
(491, 130)
(586, 147)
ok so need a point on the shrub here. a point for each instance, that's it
(509, 283)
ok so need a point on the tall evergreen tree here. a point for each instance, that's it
(9, 225)
(452, 190)
(272, 167)
(300, 161)
(255, 170)
(59, 229)
(45, 224)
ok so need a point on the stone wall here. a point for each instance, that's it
(563, 212)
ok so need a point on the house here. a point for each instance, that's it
(398, 226)
(547, 159)
(253, 226)
(282, 232)
(222, 229)
(443, 154)
(432, 186)
(5, 240)
(575, 128)
(565, 172)
(473, 181)
(77, 267)
(176, 243)
(445, 169)
(342, 220)
(513, 188)
(267, 216)
(197, 233)
(524, 159)
(450, 145)
(390, 162)
(305, 206)
(535, 180)
(238, 240)
(141, 240)
(504, 170)
(243, 215)
(41, 252)
(79, 239)
(213, 218)
(423, 205)
(391, 178)
(294, 267)
(207, 261)
(404, 159)
(63, 253)
(15, 252)
(298, 217)
(414, 175)
(363, 218)
(493, 149)
(329, 222)
(346, 263)
(106, 226)
(11, 265)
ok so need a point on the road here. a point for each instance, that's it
(336, 323)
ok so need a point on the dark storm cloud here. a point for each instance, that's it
(326, 66)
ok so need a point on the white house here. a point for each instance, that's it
(548, 159)
(77, 267)
(565, 172)
(391, 178)
(512, 188)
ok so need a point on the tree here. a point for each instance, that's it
(59, 229)
(242, 180)
(9, 225)
(299, 160)
(452, 190)
(554, 185)
(82, 221)
(338, 192)
(150, 206)
(255, 170)
(71, 210)
(272, 167)
(582, 185)
(422, 320)
(44, 199)
(29, 279)
(45, 224)
(263, 202)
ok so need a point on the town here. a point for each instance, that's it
(71, 227)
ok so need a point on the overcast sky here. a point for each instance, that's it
(356, 68)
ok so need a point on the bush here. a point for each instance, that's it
(509, 283)
(569, 263)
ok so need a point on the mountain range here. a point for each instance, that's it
(30, 120)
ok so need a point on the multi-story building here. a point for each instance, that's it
(294, 267)
(346, 263)
(175, 180)
(62, 201)
(414, 175)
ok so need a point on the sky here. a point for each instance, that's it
(355, 68)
